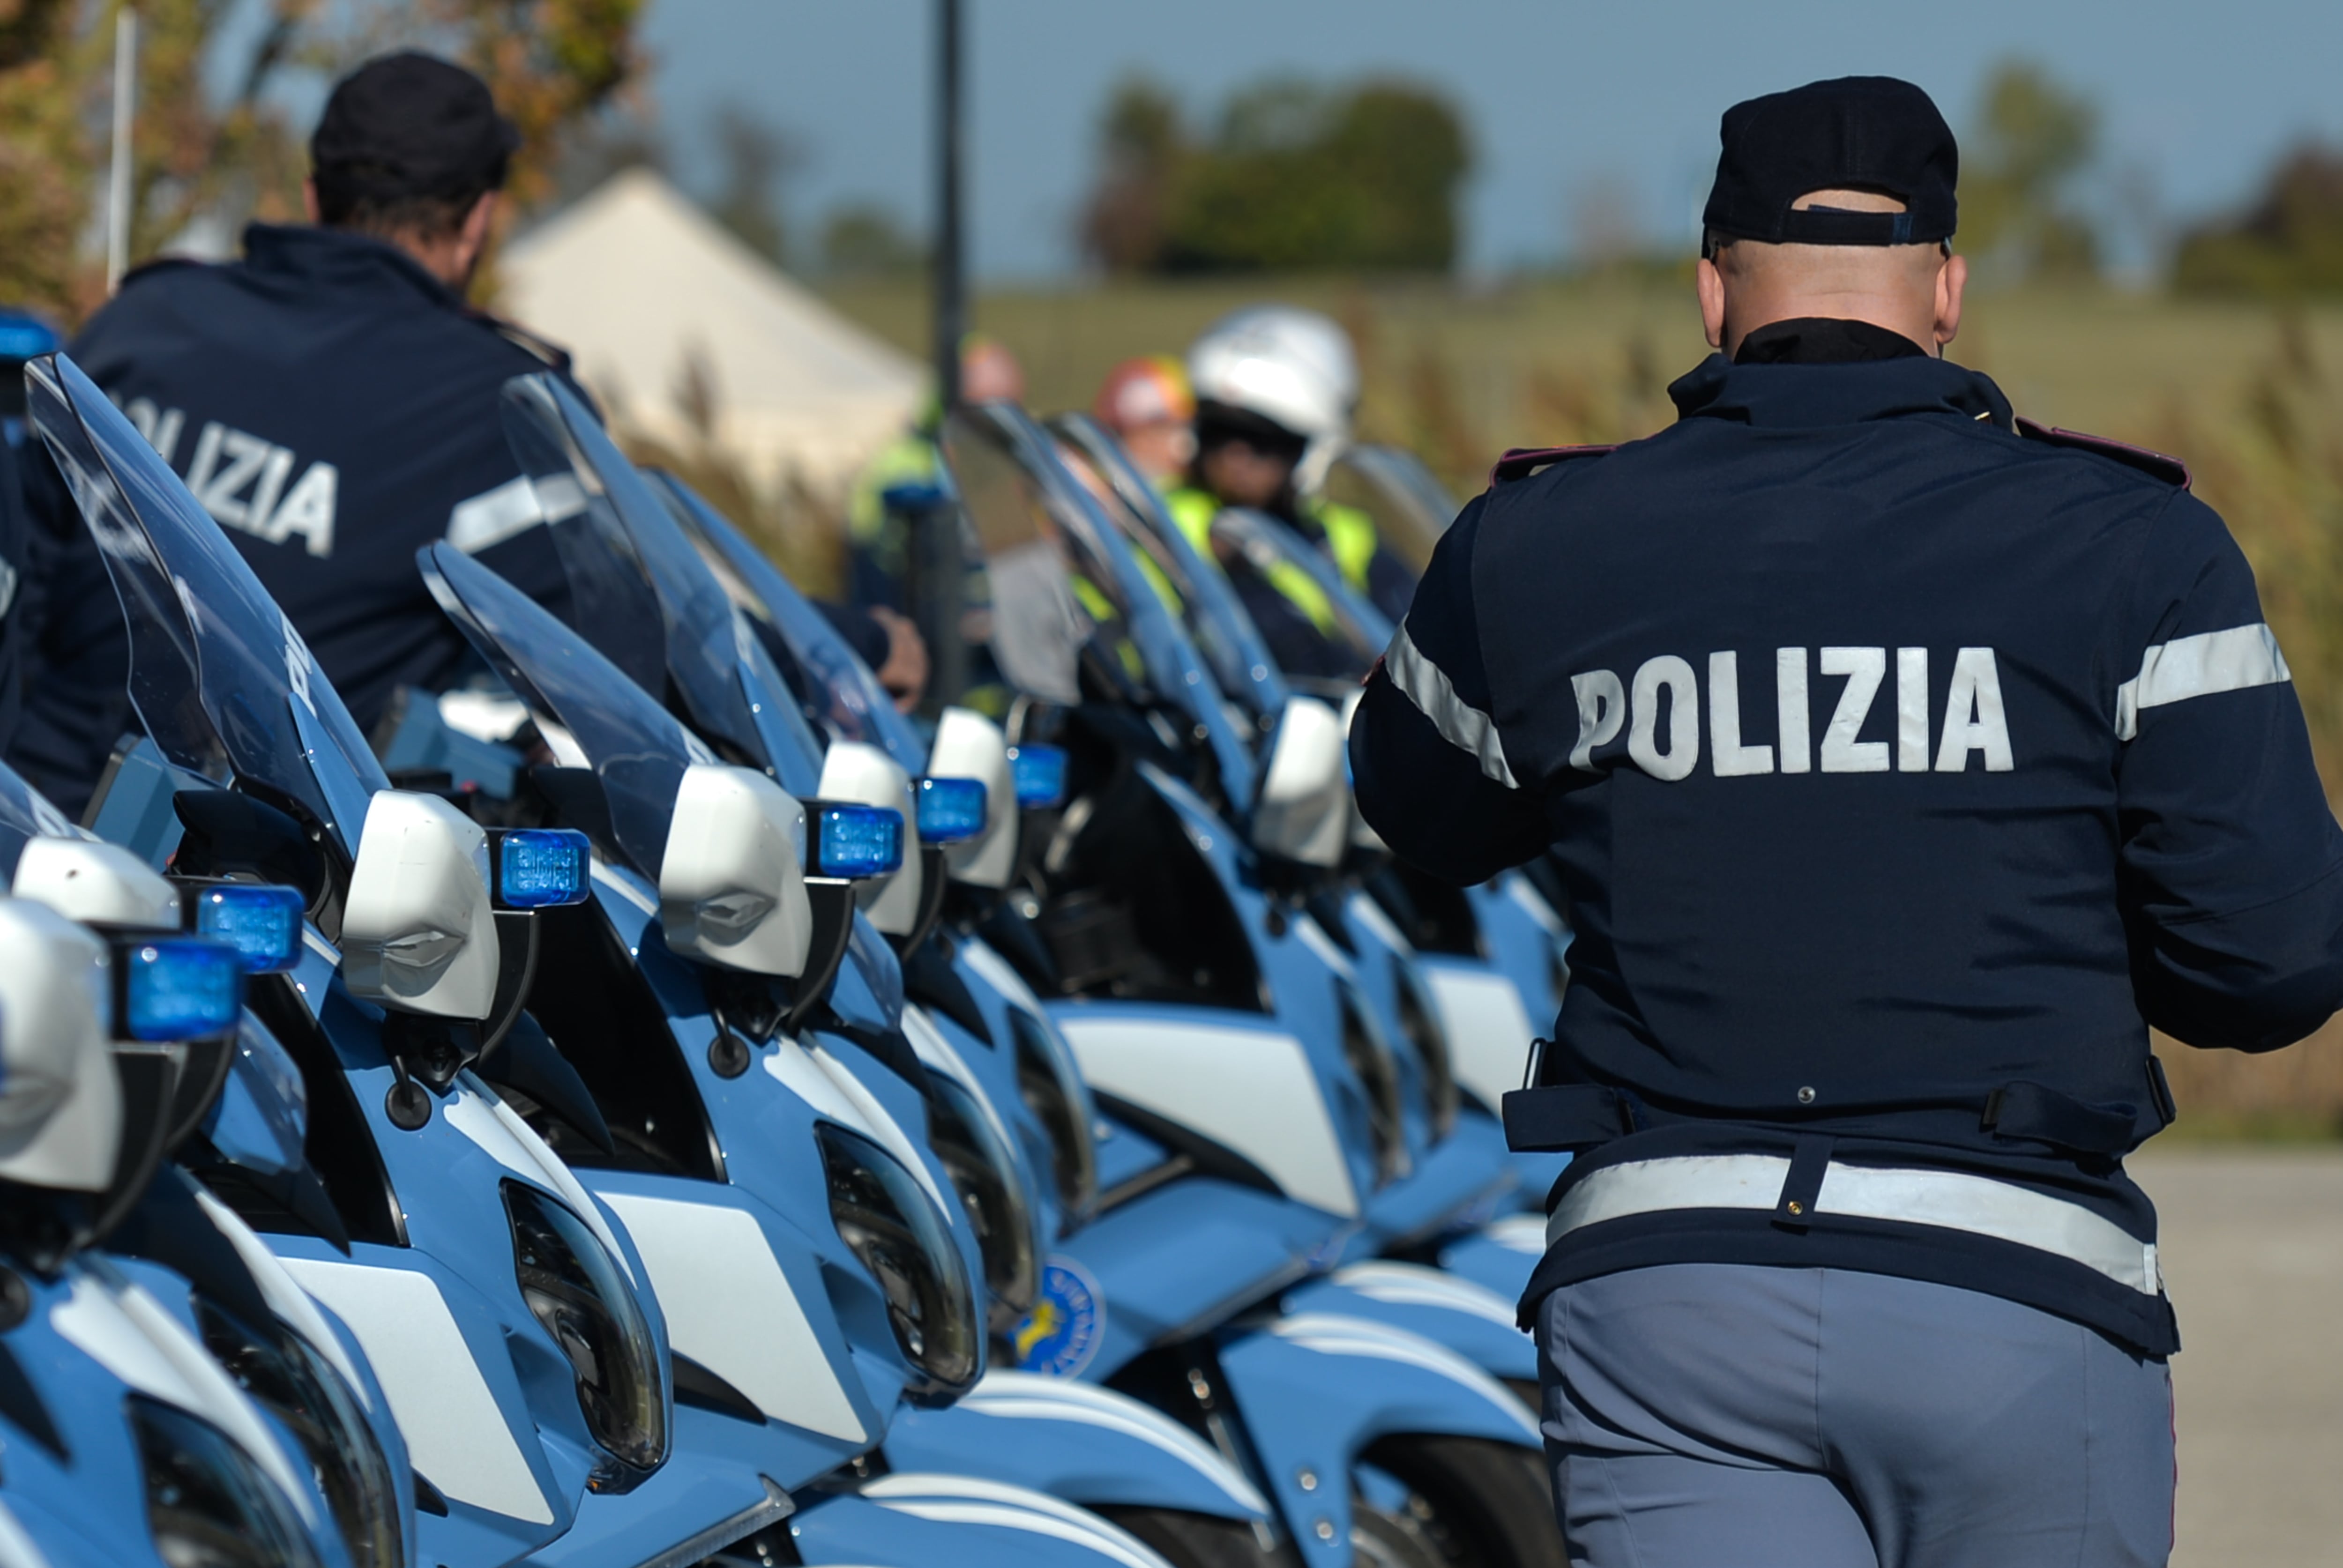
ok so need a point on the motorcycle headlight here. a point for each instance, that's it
(208, 1505)
(287, 1377)
(1369, 1056)
(1047, 1083)
(1420, 1021)
(984, 1173)
(884, 1217)
(574, 1289)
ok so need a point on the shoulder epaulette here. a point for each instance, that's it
(2155, 465)
(553, 354)
(1521, 462)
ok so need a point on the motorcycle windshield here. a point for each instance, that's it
(1224, 633)
(845, 694)
(635, 748)
(1411, 508)
(622, 549)
(25, 814)
(1010, 476)
(1363, 629)
(220, 678)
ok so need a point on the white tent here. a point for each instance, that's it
(663, 308)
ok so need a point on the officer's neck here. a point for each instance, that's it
(1823, 340)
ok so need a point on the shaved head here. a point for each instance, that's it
(1912, 289)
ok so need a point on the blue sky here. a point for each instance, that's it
(1566, 101)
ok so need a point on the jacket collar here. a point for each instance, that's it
(340, 259)
(1803, 396)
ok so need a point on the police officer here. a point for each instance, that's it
(1272, 382)
(1904, 762)
(1150, 407)
(331, 400)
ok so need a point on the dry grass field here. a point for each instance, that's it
(2247, 392)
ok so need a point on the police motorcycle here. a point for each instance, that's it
(693, 600)
(1491, 958)
(506, 1317)
(770, 1109)
(1167, 1227)
(230, 1089)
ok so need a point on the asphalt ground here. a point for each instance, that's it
(2252, 1250)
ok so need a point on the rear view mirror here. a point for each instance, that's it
(1302, 810)
(852, 770)
(60, 1101)
(418, 930)
(970, 746)
(731, 882)
(104, 884)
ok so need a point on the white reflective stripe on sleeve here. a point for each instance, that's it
(1460, 723)
(493, 515)
(2200, 666)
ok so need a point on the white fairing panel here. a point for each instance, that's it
(729, 1308)
(1251, 1089)
(1358, 1339)
(419, 933)
(852, 770)
(60, 1098)
(456, 1431)
(1488, 1029)
(970, 746)
(1025, 1396)
(996, 1505)
(731, 880)
(84, 880)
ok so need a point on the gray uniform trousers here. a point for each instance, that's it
(1726, 1416)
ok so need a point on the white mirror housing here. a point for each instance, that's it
(970, 746)
(419, 931)
(60, 1101)
(105, 884)
(731, 880)
(1303, 810)
(863, 774)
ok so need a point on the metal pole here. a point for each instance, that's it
(117, 196)
(951, 283)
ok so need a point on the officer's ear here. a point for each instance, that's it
(309, 200)
(1711, 285)
(1951, 281)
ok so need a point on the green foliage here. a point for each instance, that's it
(2034, 138)
(755, 159)
(2290, 241)
(863, 241)
(1295, 175)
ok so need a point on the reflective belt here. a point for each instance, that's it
(1951, 1200)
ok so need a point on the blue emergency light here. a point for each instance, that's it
(950, 810)
(260, 920)
(177, 987)
(540, 868)
(1041, 774)
(854, 841)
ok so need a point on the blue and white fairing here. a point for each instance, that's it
(488, 1400)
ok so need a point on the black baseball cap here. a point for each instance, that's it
(410, 125)
(1854, 132)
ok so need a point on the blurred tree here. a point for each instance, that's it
(1295, 175)
(755, 159)
(553, 65)
(2290, 241)
(2035, 135)
(1141, 145)
(863, 240)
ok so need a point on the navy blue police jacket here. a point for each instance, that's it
(334, 407)
(1903, 766)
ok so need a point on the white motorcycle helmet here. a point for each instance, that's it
(1293, 368)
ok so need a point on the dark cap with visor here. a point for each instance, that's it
(1854, 132)
(412, 125)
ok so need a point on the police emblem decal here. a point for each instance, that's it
(1060, 1335)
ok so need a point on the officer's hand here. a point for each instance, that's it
(905, 673)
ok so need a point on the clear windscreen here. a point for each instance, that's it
(1215, 618)
(25, 814)
(1006, 464)
(1411, 508)
(220, 678)
(635, 748)
(1363, 629)
(844, 694)
(623, 535)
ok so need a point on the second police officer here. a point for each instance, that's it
(1904, 763)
